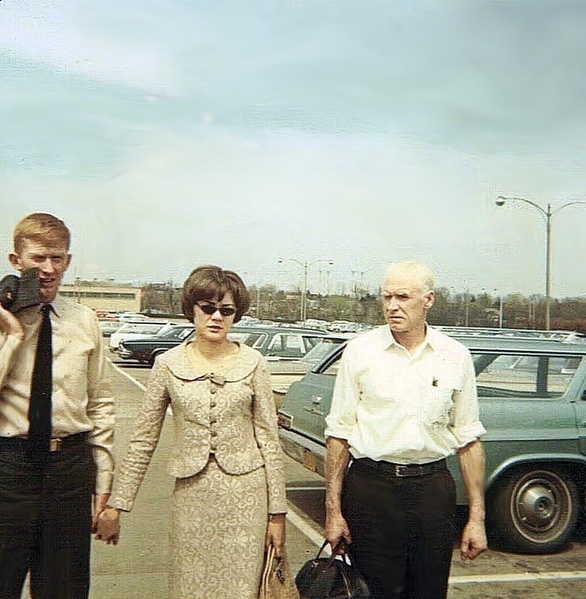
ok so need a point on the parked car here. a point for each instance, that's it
(274, 342)
(108, 326)
(532, 397)
(134, 329)
(145, 349)
(132, 316)
(284, 373)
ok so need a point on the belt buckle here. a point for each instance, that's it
(55, 444)
(401, 470)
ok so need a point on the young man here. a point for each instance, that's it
(404, 399)
(53, 464)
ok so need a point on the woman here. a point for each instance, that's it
(229, 496)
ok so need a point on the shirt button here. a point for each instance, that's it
(213, 404)
(214, 390)
(214, 433)
(213, 420)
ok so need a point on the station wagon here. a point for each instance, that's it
(532, 397)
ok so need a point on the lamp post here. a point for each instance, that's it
(305, 266)
(547, 215)
(500, 299)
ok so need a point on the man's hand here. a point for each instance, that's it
(336, 528)
(473, 540)
(10, 325)
(108, 528)
(100, 503)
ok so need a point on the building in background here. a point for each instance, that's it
(107, 296)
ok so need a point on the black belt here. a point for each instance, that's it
(55, 444)
(399, 470)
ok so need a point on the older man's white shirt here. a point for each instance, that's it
(390, 405)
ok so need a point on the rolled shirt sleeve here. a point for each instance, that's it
(341, 420)
(465, 423)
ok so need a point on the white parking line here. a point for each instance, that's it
(124, 373)
(312, 533)
(523, 577)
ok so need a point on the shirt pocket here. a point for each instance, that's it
(437, 405)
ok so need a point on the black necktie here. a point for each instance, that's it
(39, 413)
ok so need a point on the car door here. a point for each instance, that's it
(525, 402)
(579, 392)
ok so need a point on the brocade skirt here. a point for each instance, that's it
(217, 536)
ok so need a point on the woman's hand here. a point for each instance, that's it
(276, 533)
(109, 526)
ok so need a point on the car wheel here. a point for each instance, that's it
(534, 510)
(154, 356)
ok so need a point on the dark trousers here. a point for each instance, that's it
(402, 531)
(45, 522)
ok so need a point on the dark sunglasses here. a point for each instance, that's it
(210, 309)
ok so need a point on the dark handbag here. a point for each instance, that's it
(19, 293)
(331, 577)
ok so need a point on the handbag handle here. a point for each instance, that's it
(335, 551)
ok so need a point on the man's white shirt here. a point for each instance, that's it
(394, 406)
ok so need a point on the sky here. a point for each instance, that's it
(237, 132)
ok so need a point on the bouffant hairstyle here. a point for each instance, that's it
(42, 228)
(210, 283)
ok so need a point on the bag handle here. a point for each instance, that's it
(346, 556)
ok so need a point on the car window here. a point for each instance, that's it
(286, 345)
(143, 329)
(515, 376)
(310, 342)
(254, 340)
(178, 332)
(332, 369)
(323, 348)
(184, 333)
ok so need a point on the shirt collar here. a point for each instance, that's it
(432, 338)
(58, 305)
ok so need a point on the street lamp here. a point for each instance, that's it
(547, 215)
(305, 266)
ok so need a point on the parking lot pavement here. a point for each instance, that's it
(137, 568)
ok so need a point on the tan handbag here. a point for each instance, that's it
(276, 581)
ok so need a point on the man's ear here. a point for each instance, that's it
(67, 261)
(428, 299)
(14, 259)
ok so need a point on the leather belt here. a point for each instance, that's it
(55, 444)
(399, 470)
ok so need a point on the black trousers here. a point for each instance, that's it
(45, 521)
(402, 531)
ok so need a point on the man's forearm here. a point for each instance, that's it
(471, 462)
(337, 458)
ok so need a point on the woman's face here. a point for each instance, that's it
(214, 327)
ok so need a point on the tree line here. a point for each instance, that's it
(514, 310)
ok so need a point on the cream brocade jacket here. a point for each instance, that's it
(230, 414)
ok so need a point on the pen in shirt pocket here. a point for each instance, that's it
(434, 382)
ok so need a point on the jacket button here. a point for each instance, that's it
(214, 390)
(213, 404)
(214, 433)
